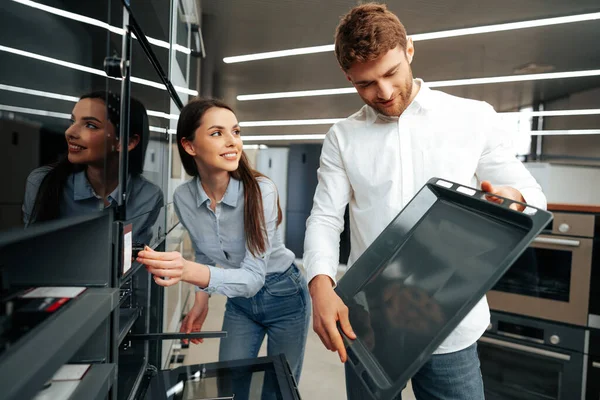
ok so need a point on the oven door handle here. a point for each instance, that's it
(560, 242)
(596, 364)
(528, 349)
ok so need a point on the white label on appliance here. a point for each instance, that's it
(71, 372)
(467, 191)
(443, 183)
(54, 291)
(127, 251)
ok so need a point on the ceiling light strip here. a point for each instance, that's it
(44, 113)
(38, 93)
(91, 70)
(435, 84)
(296, 122)
(97, 23)
(32, 111)
(331, 121)
(291, 122)
(426, 36)
(73, 99)
(268, 138)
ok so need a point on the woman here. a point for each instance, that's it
(232, 214)
(87, 179)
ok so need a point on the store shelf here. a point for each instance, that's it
(96, 383)
(25, 367)
(127, 317)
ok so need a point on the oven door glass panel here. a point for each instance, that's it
(542, 273)
(511, 374)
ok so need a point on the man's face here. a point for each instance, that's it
(386, 83)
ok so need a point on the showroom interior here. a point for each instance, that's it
(114, 334)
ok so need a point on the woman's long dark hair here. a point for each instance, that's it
(254, 218)
(48, 198)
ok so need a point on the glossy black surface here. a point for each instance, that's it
(542, 273)
(423, 274)
(264, 378)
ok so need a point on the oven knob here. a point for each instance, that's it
(554, 339)
(564, 228)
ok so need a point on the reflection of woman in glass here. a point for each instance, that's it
(87, 179)
(232, 214)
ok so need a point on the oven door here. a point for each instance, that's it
(592, 391)
(520, 371)
(551, 280)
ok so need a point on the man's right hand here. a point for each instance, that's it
(328, 309)
(195, 318)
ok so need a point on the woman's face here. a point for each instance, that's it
(217, 145)
(91, 137)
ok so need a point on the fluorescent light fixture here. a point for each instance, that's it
(279, 53)
(515, 78)
(426, 36)
(32, 111)
(268, 138)
(291, 122)
(448, 83)
(163, 130)
(554, 113)
(255, 147)
(73, 99)
(296, 122)
(331, 121)
(38, 93)
(565, 132)
(91, 70)
(96, 22)
(52, 114)
(301, 93)
(159, 114)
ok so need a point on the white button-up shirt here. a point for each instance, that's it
(378, 163)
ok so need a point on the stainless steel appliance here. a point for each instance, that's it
(553, 278)
(523, 358)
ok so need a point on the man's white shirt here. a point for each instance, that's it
(378, 163)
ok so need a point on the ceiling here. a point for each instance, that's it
(237, 27)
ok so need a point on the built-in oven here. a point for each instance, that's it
(552, 278)
(526, 359)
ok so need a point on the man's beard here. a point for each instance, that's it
(401, 101)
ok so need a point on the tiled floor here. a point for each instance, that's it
(322, 375)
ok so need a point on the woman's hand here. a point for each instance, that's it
(195, 318)
(167, 268)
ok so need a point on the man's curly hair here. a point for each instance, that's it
(367, 32)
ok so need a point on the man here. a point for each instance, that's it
(377, 159)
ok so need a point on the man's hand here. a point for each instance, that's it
(195, 318)
(504, 191)
(328, 309)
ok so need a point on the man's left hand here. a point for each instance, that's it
(503, 191)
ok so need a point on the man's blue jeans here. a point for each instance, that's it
(452, 376)
(281, 310)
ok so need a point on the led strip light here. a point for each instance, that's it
(426, 36)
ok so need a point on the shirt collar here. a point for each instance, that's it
(231, 193)
(114, 196)
(83, 190)
(421, 101)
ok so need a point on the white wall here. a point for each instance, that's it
(568, 183)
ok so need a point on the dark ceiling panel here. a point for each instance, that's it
(240, 27)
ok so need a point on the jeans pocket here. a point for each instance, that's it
(287, 286)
